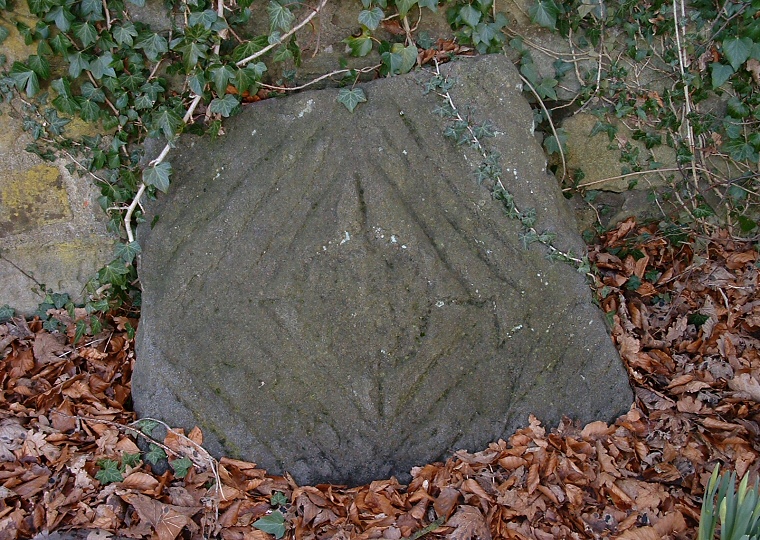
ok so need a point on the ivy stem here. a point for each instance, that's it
(295, 29)
(477, 144)
(191, 109)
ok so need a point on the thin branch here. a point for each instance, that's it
(295, 29)
(368, 69)
(196, 101)
(551, 125)
(621, 176)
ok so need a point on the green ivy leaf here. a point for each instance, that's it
(197, 82)
(130, 460)
(61, 16)
(124, 34)
(220, 76)
(432, 5)
(205, 18)
(280, 17)
(251, 47)
(113, 272)
(400, 59)
(360, 46)
(89, 110)
(154, 454)
(40, 66)
(64, 101)
(273, 523)
(158, 175)
(127, 251)
(101, 66)
(371, 18)
(403, 7)
(167, 121)
(544, 13)
(737, 51)
(278, 499)
(78, 62)
(225, 105)
(351, 97)
(109, 471)
(85, 32)
(25, 78)
(92, 10)
(153, 44)
(181, 466)
(60, 43)
(6, 313)
(469, 15)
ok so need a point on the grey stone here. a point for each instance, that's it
(334, 295)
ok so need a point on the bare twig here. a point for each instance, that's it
(368, 69)
(196, 101)
(295, 29)
(551, 125)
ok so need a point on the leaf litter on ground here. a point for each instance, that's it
(686, 323)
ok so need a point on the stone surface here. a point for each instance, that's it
(51, 227)
(332, 294)
(604, 171)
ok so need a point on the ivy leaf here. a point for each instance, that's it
(61, 16)
(78, 62)
(737, 51)
(225, 105)
(158, 175)
(60, 43)
(131, 81)
(205, 18)
(38, 7)
(88, 109)
(55, 123)
(155, 453)
(92, 10)
(101, 66)
(544, 13)
(244, 50)
(124, 34)
(273, 523)
(25, 78)
(138, 3)
(153, 44)
(280, 17)
(86, 33)
(64, 101)
(432, 5)
(127, 252)
(197, 82)
(401, 59)
(360, 46)
(246, 78)
(109, 472)
(220, 76)
(469, 15)
(404, 6)
(351, 97)
(371, 18)
(181, 466)
(167, 121)
(720, 74)
(40, 66)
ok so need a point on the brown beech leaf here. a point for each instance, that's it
(167, 520)
(140, 481)
(746, 384)
(47, 346)
(446, 502)
(470, 525)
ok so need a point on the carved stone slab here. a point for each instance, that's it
(333, 294)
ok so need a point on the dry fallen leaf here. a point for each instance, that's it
(469, 523)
